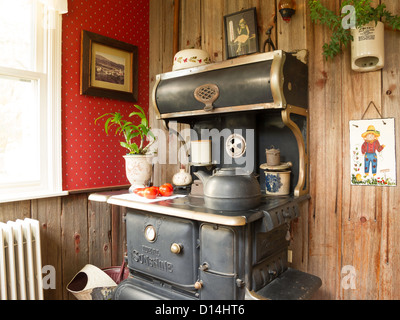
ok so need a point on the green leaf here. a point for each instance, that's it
(132, 135)
(125, 145)
(142, 116)
(129, 130)
(145, 122)
(151, 134)
(107, 126)
(139, 108)
(144, 129)
(135, 148)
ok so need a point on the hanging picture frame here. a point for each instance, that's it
(241, 33)
(109, 67)
(373, 153)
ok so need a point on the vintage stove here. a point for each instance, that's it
(180, 248)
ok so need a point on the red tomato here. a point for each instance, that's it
(150, 193)
(166, 190)
(169, 185)
(156, 189)
(139, 191)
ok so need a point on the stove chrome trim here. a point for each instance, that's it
(302, 187)
(251, 295)
(261, 106)
(277, 79)
(222, 64)
(173, 211)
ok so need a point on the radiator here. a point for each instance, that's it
(20, 260)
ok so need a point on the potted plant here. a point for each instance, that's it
(138, 161)
(360, 24)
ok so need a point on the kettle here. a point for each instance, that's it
(230, 189)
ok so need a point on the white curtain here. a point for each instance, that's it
(61, 6)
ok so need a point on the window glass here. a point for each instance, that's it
(30, 101)
(17, 34)
(19, 131)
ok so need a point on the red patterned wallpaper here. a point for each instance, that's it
(91, 159)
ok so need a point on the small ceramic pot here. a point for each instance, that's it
(182, 178)
(277, 183)
(200, 152)
(273, 157)
(368, 47)
(190, 58)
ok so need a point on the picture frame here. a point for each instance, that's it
(109, 67)
(241, 33)
(373, 152)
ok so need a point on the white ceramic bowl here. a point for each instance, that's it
(190, 58)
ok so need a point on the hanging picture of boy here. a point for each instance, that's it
(372, 152)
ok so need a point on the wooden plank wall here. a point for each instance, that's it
(74, 232)
(342, 225)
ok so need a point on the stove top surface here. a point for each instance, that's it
(191, 207)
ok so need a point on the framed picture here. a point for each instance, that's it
(241, 35)
(109, 68)
(373, 152)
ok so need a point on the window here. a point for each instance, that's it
(30, 100)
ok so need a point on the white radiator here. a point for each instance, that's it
(20, 260)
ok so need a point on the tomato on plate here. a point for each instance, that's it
(169, 185)
(156, 189)
(166, 190)
(150, 193)
(139, 191)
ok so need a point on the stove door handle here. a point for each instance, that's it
(204, 266)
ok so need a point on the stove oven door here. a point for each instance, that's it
(221, 270)
(162, 248)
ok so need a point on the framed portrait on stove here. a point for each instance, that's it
(109, 67)
(373, 153)
(241, 33)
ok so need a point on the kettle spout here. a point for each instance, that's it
(203, 176)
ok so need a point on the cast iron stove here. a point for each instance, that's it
(179, 249)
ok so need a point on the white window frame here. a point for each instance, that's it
(49, 81)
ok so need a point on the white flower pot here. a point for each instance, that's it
(367, 47)
(139, 169)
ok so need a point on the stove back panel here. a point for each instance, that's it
(155, 258)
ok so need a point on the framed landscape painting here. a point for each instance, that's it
(109, 68)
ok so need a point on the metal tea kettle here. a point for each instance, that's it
(230, 189)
